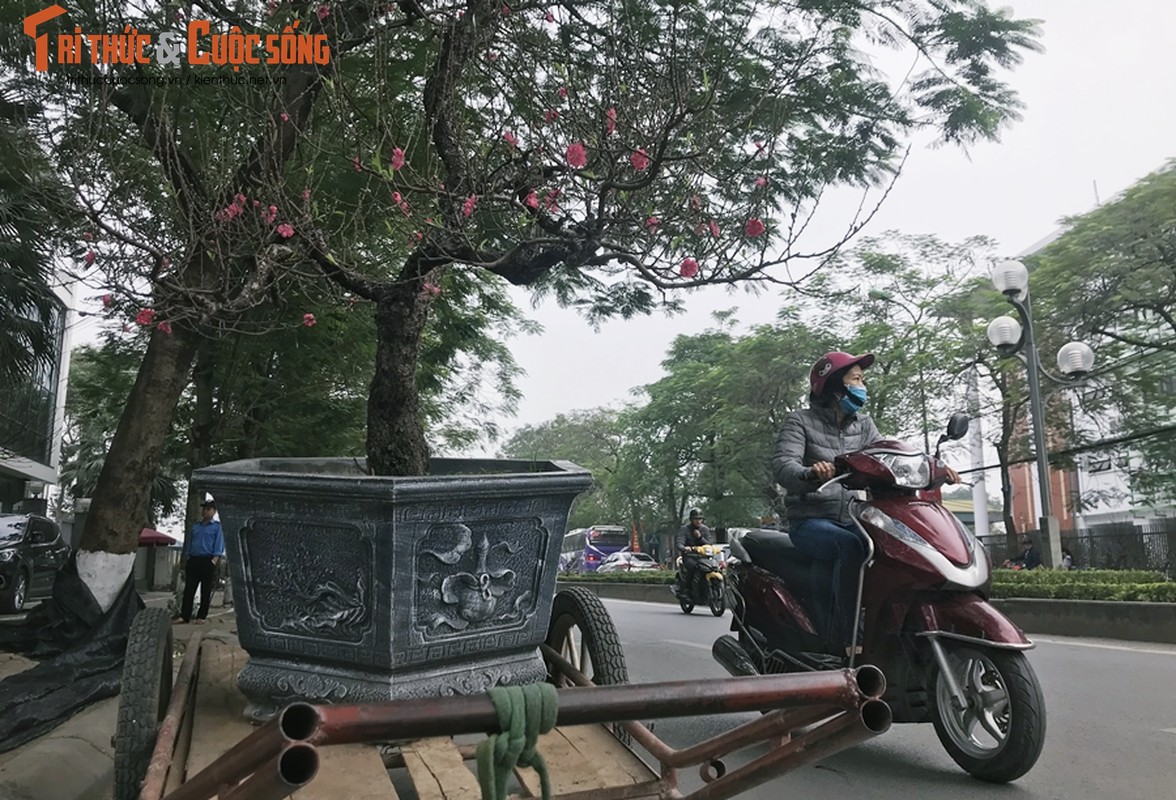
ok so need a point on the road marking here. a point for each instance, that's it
(1168, 730)
(1127, 648)
(687, 644)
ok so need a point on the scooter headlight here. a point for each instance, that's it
(898, 530)
(911, 471)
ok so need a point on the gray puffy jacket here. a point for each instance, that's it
(810, 436)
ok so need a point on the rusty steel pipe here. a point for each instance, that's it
(295, 724)
(169, 729)
(777, 723)
(450, 716)
(283, 775)
(844, 731)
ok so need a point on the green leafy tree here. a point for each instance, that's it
(32, 204)
(623, 175)
(1107, 280)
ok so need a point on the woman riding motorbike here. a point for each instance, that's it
(819, 524)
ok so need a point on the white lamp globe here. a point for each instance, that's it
(1005, 334)
(1075, 359)
(1010, 277)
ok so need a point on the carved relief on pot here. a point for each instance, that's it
(476, 578)
(310, 580)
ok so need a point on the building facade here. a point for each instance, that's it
(32, 420)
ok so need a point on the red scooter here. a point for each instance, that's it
(949, 656)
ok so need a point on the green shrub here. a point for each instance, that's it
(651, 576)
(1088, 584)
(1155, 592)
(1040, 576)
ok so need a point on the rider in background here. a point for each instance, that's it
(692, 534)
(819, 523)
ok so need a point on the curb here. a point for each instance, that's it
(1095, 619)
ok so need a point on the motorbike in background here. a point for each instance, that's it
(949, 656)
(701, 580)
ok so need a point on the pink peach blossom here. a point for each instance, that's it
(285, 230)
(164, 327)
(610, 121)
(577, 156)
(688, 268)
(308, 320)
(714, 228)
(639, 160)
(652, 222)
(323, 11)
(107, 300)
(754, 227)
(532, 200)
(397, 158)
(145, 316)
(467, 208)
(761, 182)
(511, 139)
(90, 256)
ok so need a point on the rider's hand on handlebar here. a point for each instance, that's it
(822, 470)
(952, 475)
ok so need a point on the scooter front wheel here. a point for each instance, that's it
(998, 735)
(717, 600)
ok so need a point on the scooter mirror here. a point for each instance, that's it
(957, 426)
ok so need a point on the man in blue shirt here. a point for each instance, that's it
(206, 547)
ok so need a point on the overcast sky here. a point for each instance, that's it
(1099, 111)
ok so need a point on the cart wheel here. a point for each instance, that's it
(583, 632)
(146, 692)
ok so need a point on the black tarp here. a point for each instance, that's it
(80, 650)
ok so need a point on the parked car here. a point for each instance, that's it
(31, 550)
(627, 562)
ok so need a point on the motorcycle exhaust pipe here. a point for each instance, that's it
(733, 657)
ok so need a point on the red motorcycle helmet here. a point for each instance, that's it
(832, 363)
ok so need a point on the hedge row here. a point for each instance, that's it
(1164, 592)
(1056, 576)
(1105, 584)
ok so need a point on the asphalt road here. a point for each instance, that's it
(1111, 721)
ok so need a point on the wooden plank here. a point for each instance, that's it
(568, 769)
(218, 722)
(615, 762)
(353, 771)
(438, 771)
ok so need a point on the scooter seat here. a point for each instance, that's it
(769, 543)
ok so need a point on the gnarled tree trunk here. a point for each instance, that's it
(122, 496)
(395, 432)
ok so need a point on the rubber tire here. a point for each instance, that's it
(9, 602)
(686, 605)
(579, 607)
(718, 598)
(582, 608)
(1027, 723)
(146, 691)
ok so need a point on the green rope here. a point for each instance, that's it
(524, 712)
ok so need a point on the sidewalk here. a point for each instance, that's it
(75, 761)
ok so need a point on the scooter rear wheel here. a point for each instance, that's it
(999, 735)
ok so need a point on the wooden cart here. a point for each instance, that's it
(190, 740)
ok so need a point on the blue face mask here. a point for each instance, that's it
(854, 400)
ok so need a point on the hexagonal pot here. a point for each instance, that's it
(350, 587)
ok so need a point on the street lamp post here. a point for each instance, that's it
(1075, 360)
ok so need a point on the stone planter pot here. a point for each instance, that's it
(353, 588)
